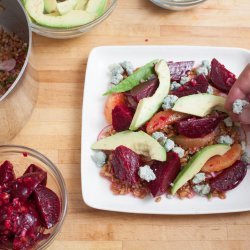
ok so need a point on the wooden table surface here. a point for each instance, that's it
(55, 125)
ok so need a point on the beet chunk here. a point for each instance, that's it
(165, 173)
(230, 178)
(126, 164)
(221, 78)
(143, 90)
(7, 174)
(23, 186)
(198, 127)
(35, 169)
(179, 69)
(48, 205)
(121, 117)
(197, 85)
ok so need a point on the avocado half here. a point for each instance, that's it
(148, 106)
(196, 163)
(140, 142)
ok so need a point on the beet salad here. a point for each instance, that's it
(169, 133)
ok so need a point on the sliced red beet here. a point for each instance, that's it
(179, 69)
(198, 127)
(230, 178)
(6, 173)
(121, 117)
(143, 90)
(197, 85)
(165, 173)
(126, 164)
(35, 169)
(48, 205)
(221, 78)
(23, 186)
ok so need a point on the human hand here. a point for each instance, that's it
(240, 90)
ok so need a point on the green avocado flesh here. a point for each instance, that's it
(50, 5)
(139, 142)
(149, 105)
(199, 104)
(135, 79)
(70, 17)
(96, 6)
(196, 163)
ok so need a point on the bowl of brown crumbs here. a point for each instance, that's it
(18, 81)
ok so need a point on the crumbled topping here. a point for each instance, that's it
(180, 151)
(146, 173)
(169, 196)
(158, 135)
(169, 101)
(239, 105)
(128, 66)
(184, 79)
(246, 157)
(204, 68)
(198, 178)
(210, 90)
(169, 145)
(228, 122)
(99, 158)
(175, 85)
(203, 189)
(225, 139)
(116, 69)
(116, 78)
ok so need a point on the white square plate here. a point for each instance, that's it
(95, 189)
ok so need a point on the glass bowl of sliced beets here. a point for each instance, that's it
(168, 133)
(33, 199)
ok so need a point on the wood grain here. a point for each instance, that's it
(55, 125)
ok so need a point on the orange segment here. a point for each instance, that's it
(191, 143)
(162, 119)
(218, 163)
(112, 101)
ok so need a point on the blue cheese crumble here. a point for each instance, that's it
(175, 85)
(169, 145)
(116, 69)
(184, 80)
(210, 90)
(180, 151)
(198, 178)
(239, 105)
(128, 67)
(225, 139)
(116, 78)
(146, 173)
(99, 158)
(169, 101)
(228, 122)
(202, 190)
(246, 157)
(204, 68)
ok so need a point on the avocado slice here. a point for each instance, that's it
(199, 104)
(96, 6)
(66, 6)
(73, 18)
(140, 142)
(50, 6)
(81, 4)
(196, 163)
(149, 105)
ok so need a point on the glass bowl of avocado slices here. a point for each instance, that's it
(68, 18)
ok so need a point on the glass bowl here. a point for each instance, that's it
(21, 157)
(177, 4)
(72, 32)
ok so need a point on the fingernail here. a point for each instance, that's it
(244, 117)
